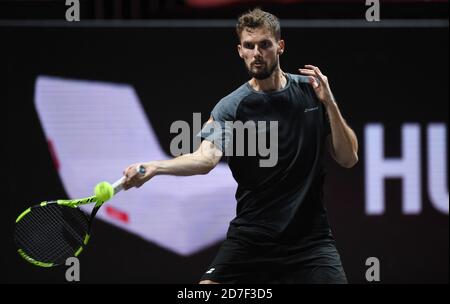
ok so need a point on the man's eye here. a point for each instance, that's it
(265, 44)
(248, 46)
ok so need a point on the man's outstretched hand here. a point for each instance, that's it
(133, 178)
(319, 83)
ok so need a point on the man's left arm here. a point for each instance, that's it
(343, 141)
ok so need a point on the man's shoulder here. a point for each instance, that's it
(230, 102)
(238, 94)
(298, 79)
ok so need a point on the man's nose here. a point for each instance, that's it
(257, 51)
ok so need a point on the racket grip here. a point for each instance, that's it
(118, 185)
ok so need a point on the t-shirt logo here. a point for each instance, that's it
(311, 109)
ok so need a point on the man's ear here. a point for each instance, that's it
(280, 47)
(239, 49)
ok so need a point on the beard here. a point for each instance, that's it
(263, 73)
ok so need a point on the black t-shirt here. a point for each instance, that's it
(282, 204)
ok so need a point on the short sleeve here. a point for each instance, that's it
(217, 131)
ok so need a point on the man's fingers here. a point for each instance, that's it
(313, 71)
(314, 68)
(313, 78)
(126, 171)
(131, 171)
(132, 177)
(307, 72)
(313, 81)
(125, 185)
(316, 71)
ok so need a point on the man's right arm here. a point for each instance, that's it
(201, 161)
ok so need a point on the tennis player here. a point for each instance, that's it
(281, 233)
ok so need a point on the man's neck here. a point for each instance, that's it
(275, 82)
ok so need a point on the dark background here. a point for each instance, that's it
(391, 75)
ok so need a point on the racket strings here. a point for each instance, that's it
(72, 226)
(39, 240)
(53, 244)
(60, 236)
(45, 251)
(52, 233)
(28, 235)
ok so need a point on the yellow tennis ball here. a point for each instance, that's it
(103, 191)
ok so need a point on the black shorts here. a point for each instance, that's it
(319, 264)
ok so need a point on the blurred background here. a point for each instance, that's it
(84, 99)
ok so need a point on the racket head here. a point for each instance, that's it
(49, 233)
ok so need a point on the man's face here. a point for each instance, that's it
(260, 51)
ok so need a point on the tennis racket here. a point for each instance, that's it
(52, 231)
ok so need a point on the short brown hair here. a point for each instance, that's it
(258, 18)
